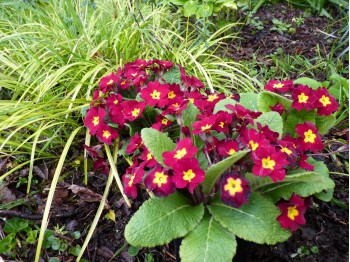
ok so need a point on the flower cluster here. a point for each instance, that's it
(140, 93)
(304, 97)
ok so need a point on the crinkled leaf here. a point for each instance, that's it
(273, 120)
(204, 10)
(189, 115)
(208, 242)
(8, 243)
(267, 99)
(308, 81)
(295, 117)
(190, 8)
(255, 221)
(300, 181)
(249, 100)
(15, 225)
(221, 105)
(324, 123)
(216, 170)
(173, 75)
(157, 143)
(160, 220)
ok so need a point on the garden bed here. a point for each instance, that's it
(323, 238)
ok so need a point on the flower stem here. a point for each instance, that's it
(115, 172)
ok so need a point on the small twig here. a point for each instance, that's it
(318, 30)
(11, 213)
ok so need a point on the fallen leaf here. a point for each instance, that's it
(87, 195)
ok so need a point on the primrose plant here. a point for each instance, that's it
(216, 167)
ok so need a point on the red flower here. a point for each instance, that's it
(188, 173)
(267, 132)
(131, 178)
(148, 160)
(94, 119)
(107, 82)
(280, 86)
(309, 137)
(184, 150)
(106, 134)
(161, 122)
(190, 81)
(235, 190)
(113, 100)
(204, 125)
(159, 182)
(163, 65)
(277, 108)
(228, 148)
(155, 94)
(174, 93)
(303, 98)
(253, 139)
(268, 162)
(132, 109)
(101, 164)
(304, 164)
(135, 143)
(243, 113)
(223, 120)
(292, 212)
(325, 103)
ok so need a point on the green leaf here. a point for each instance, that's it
(74, 250)
(301, 182)
(308, 81)
(249, 100)
(324, 123)
(15, 225)
(8, 243)
(273, 120)
(189, 115)
(267, 99)
(208, 242)
(133, 251)
(295, 117)
(255, 221)
(216, 170)
(160, 220)
(173, 75)
(190, 8)
(157, 143)
(178, 2)
(204, 10)
(32, 236)
(220, 106)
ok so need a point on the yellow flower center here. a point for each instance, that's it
(325, 100)
(303, 98)
(123, 83)
(221, 124)
(206, 127)
(160, 179)
(96, 120)
(135, 112)
(286, 150)
(211, 98)
(131, 181)
(175, 105)
(233, 186)
(268, 163)
(188, 175)
(180, 153)
(279, 85)
(110, 82)
(149, 156)
(155, 94)
(293, 212)
(191, 100)
(164, 121)
(115, 102)
(253, 145)
(231, 152)
(134, 74)
(309, 136)
(106, 134)
(171, 95)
